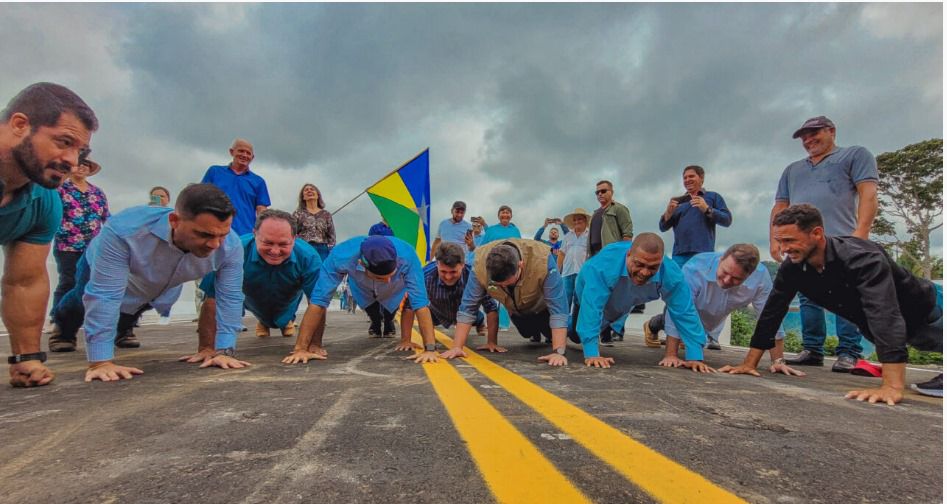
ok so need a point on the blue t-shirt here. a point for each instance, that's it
(695, 231)
(246, 191)
(500, 232)
(453, 232)
(33, 216)
(830, 186)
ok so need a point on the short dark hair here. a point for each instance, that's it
(502, 262)
(504, 207)
(45, 102)
(697, 169)
(606, 182)
(648, 242)
(450, 254)
(272, 213)
(805, 216)
(319, 202)
(196, 199)
(746, 256)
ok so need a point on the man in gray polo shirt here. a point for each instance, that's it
(842, 183)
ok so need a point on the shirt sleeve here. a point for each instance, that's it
(414, 284)
(229, 277)
(555, 293)
(106, 213)
(680, 307)
(864, 167)
(208, 285)
(594, 290)
(759, 300)
(103, 295)
(872, 279)
(262, 194)
(777, 305)
(329, 277)
(208, 176)
(311, 274)
(721, 214)
(665, 225)
(782, 188)
(331, 231)
(474, 296)
(625, 224)
(539, 234)
(50, 212)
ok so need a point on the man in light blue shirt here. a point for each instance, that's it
(623, 275)
(278, 267)
(453, 229)
(381, 270)
(721, 282)
(140, 259)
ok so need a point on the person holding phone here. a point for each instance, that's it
(454, 229)
(159, 196)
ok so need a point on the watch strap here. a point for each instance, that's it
(430, 347)
(16, 359)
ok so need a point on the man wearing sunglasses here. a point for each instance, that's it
(611, 223)
(381, 270)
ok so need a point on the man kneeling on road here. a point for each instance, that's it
(278, 268)
(856, 280)
(381, 269)
(139, 261)
(719, 284)
(625, 274)
(523, 276)
(445, 280)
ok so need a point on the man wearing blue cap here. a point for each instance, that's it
(380, 269)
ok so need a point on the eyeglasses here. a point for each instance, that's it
(601, 191)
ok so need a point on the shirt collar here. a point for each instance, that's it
(835, 150)
(162, 228)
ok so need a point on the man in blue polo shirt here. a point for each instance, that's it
(453, 229)
(278, 268)
(44, 134)
(246, 189)
(622, 275)
(381, 270)
(842, 183)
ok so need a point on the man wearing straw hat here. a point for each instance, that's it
(573, 251)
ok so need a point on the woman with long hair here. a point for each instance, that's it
(315, 222)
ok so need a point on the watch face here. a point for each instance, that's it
(430, 348)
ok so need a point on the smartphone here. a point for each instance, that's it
(155, 200)
(683, 199)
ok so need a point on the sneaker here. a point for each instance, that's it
(844, 364)
(650, 338)
(59, 344)
(374, 332)
(290, 330)
(606, 336)
(618, 336)
(933, 387)
(127, 340)
(262, 331)
(713, 345)
(390, 331)
(535, 338)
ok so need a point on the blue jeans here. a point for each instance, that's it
(322, 249)
(66, 262)
(569, 283)
(813, 330)
(69, 313)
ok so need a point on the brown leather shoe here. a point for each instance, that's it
(127, 340)
(59, 344)
(262, 331)
(650, 339)
(290, 330)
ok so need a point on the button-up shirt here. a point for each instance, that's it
(863, 285)
(246, 191)
(554, 292)
(273, 291)
(696, 231)
(576, 250)
(605, 293)
(445, 299)
(134, 262)
(344, 259)
(713, 302)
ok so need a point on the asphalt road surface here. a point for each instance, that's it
(368, 426)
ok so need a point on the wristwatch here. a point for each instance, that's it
(709, 211)
(561, 350)
(779, 361)
(16, 359)
(430, 347)
(229, 352)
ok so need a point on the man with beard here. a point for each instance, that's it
(44, 134)
(856, 279)
(139, 261)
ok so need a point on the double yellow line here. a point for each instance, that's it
(516, 471)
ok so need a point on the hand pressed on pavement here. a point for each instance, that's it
(405, 346)
(492, 347)
(785, 369)
(32, 373)
(109, 371)
(423, 357)
(740, 369)
(882, 394)
(453, 353)
(225, 362)
(302, 356)
(554, 359)
(600, 362)
(200, 356)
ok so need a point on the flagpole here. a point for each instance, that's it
(406, 163)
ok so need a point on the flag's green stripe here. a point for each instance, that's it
(403, 221)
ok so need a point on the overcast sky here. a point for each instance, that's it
(525, 105)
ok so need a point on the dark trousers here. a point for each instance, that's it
(376, 312)
(321, 248)
(69, 312)
(66, 267)
(532, 324)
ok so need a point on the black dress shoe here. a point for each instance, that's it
(713, 345)
(806, 358)
(844, 364)
(127, 340)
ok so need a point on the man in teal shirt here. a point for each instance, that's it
(623, 275)
(44, 134)
(278, 268)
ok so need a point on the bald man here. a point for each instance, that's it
(246, 190)
(623, 275)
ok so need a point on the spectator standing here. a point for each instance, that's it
(380, 229)
(504, 230)
(610, 223)
(553, 241)
(246, 190)
(85, 210)
(694, 217)
(574, 250)
(315, 222)
(842, 183)
(453, 229)
(159, 196)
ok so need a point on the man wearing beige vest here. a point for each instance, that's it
(521, 275)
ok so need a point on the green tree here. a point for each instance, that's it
(910, 184)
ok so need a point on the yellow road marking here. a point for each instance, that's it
(513, 468)
(659, 476)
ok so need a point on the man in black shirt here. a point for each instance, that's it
(857, 280)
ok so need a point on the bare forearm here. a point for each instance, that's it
(407, 323)
(207, 325)
(892, 375)
(312, 319)
(867, 209)
(779, 206)
(23, 309)
(460, 334)
(493, 326)
(777, 351)
(559, 337)
(426, 325)
(753, 357)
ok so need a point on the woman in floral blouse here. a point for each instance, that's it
(84, 211)
(315, 222)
